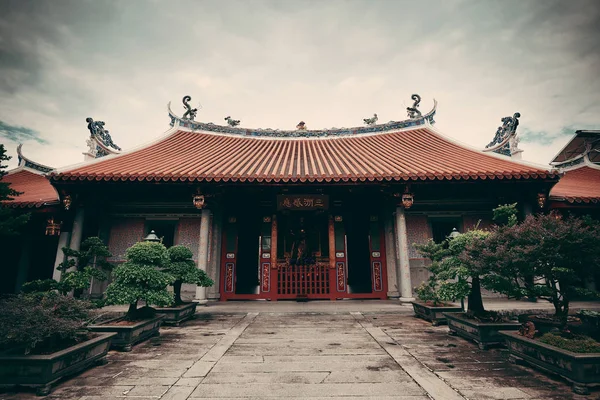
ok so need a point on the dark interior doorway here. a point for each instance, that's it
(359, 261)
(248, 253)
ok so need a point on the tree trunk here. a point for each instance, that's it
(132, 310)
(475, 301)
(177, 291)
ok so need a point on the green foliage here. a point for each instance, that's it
(79, 267)
(430, 290)
(453, 269)
(574, 343)
(506, 214)
(36, 323)
(10, 221)
(139, 278)
(544, 256)
(461, 265)
(39, 286)
(183, 269)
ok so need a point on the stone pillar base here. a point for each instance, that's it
(406, 299)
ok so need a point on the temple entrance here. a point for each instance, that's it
(359, 263)
(303, 250)
(303, 255)
(247, 275)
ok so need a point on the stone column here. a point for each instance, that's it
(203, 254)
(403, 263)
(77, 231)
(63, 241)
(390, 257)
(214, 263)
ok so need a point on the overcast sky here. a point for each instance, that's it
(274, 63)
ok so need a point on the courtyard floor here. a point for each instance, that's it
(316, 350)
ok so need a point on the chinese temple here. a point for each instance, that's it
(299, 214)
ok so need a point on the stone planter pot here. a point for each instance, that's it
(482, 333)
(582, 370)
(433, 314)
(177, 314)
(128, 335)
(41, 371)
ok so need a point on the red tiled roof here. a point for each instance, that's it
(36, 190)
(403, 155)
(578, 185)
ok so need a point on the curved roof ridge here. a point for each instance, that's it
(169, 132)
(31, 165)
(302, 133)
(491, 154)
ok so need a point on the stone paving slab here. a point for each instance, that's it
(376, 354)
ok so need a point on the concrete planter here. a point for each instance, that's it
(433, 314)
(177, 314)
(41, 371)
(128, 335)
(582, 370)
(482, 333)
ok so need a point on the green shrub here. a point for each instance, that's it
(42, 322)
(575, 343)
(140, 278)
(183, 269)
(77, 270)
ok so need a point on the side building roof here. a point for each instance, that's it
(580, 185)
(29, 180)
(35, 188)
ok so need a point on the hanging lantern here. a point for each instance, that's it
(67, 202)
(407, 199)
(152, 237)
(52, 227)
(541, 200)
(199, 201)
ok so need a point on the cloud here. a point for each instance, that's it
(19, 134)
(272, 64)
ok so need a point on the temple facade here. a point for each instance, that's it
(302, 214)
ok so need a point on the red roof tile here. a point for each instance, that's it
(578, 185)
(416, 154)
(36, 188)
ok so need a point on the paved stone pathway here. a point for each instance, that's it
(314, 355)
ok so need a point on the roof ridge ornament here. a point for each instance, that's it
(505, 140)
(371, 121)
(413, 111)
(190, 113)
(232, 122)
(100, 142)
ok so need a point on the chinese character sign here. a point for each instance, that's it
(302, 202)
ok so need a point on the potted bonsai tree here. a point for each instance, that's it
(78, 270)
(43, 337)
(139, 278)
(559, 254)
(432, 300)
(463, 270)
(183, 269)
